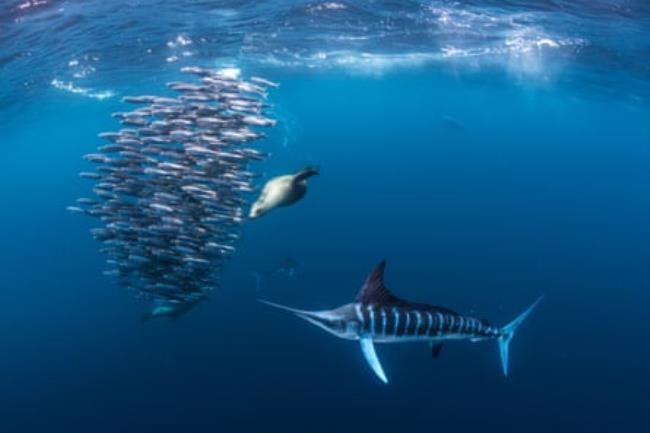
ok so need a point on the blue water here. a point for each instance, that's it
(492, 152)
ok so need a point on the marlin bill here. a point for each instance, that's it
(377, 316)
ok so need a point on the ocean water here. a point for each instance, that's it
(491, 152)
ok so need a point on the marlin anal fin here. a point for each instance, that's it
(368, 349)
(436, 348)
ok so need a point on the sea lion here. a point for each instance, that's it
(282, 191)
(286, 268)
(172, 309)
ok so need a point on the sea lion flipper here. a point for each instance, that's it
(306, 173)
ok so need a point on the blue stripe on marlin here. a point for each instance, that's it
(429, 323)
(407, 323)
(397, 314)
(358, 321)
(371, 320)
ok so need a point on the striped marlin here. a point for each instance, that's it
(377, 316)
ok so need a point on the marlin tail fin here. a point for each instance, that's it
(508, 331)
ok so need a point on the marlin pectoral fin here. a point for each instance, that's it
(368, 349)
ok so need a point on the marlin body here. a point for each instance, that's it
(377, 316)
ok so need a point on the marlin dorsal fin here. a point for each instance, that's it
(374, 291)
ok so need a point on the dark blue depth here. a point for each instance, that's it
(483, 190)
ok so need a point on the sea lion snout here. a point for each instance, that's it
(256, 211)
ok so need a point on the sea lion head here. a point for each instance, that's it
(257, 210)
